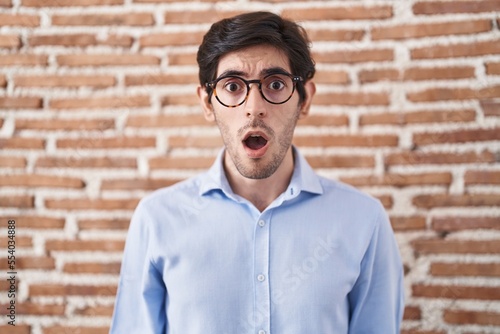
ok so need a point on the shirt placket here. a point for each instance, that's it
(262, 309)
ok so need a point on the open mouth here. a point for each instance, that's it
(255, 142)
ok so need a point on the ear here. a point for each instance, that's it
(208, 110)
(310, 88)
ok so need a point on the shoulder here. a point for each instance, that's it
(350, 197)
(172, 195)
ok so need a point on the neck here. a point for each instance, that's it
(260, 192)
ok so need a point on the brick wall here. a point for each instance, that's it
(98, 108)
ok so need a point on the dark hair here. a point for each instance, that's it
(251, 29)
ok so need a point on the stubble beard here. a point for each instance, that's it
(258, 168)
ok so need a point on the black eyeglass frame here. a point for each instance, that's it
(295, 79)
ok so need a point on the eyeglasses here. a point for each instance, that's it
(232, 91)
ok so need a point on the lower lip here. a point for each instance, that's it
(255, 154)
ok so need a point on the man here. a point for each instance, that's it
(259, 243)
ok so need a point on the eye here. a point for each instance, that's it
(233, 86)
(276, 84)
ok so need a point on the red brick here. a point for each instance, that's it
(5, 3)
(3, 81)
(324, 120)
(343, 35)
(12, 162)
(22, 143)
(169, 1)
(32, 262)
(128, 19)
(490, 107)
(411, 223)
(84, 245)
(65, 124)
(338, 13)
(161, 79)
(101, 102)
(104, 224)
(23, 60)
(465, 269)
(438, 73)
(17, 201)
(72, 81)
(412, 313)
(493, 68)
(165, 121)
(89, 204)
(456, 292)
(181, 162)
(197, 16)
(347, 140)
(473, 49)
(399, 180)
(446, 200)
(58, 329)
(20, 102)
(352, 99)
(94, 311)
(186, 99)
(331, 77)
(445, 94)
(116, 40)
(172, 39)
(181, 59)
(62, 40)
(71, 290)
(21, 241)
(19, 328)
(457, 136)
(386, 200)
(22, 20)
(135, 184)
(352, 57)
(438, 158)
(28, 308)
(450, 224)
(10, 41)
(482, 177)
(67, 3)
(91, 162)
(192, 141)
(107, 143)
(92, 268)
(463, 317)
(440, 246)
(107, 60)
(416, 117)
(451, 7)
(34, 222)
(368, 76)
(38, 180)
(341, 161)
(420, 30)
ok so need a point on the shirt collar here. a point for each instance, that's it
(303, 179)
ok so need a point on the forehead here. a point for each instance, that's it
(253, 61)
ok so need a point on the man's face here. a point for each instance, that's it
(257, 134)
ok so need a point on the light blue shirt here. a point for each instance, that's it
(199, 259)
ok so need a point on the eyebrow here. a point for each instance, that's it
(263, 73)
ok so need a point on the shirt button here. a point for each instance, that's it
(262, 332)
(262, 223)
(261, 278)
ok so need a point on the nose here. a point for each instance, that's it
(255, 104)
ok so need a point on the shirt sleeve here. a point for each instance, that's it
(377, 298)
(141, 297)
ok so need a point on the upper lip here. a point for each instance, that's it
(255, 133)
